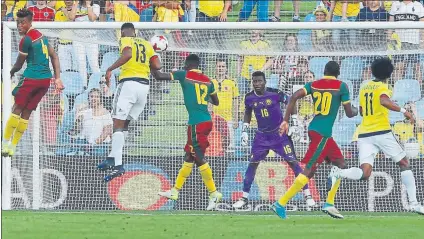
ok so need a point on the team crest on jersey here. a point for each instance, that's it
(255, 104)
(46, 14)
(268, 102)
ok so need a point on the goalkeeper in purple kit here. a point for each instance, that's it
(266, 104)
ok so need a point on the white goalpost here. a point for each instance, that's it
(55, 164)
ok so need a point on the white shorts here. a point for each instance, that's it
(369, 147)
(130, 100)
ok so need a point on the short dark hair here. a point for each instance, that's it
(382, 68)
(192, 60)
(24, 12)
(258, 73)
(332, 68)
(127, 25)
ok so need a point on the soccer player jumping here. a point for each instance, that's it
(328, 94)
(198, 90)
(137, 59)
(375, 133)
(266, 103)
(34, 48)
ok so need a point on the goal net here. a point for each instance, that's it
(55, 164)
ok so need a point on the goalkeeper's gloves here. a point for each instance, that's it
(294, 130)
(244, 135)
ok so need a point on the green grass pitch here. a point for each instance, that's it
(196, 224)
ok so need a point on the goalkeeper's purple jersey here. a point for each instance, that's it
(267, 108)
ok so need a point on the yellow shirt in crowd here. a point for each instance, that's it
(257, 62)
(226, 93)
(212, 8)
(352, 9)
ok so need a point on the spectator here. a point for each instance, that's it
(277, 11)
(261, 10)
(228, 94)
(13, 7)
(344, 11)
(218, 137)
(107, 94)
(249, 63)
(56, 5)
(3, 12)
(93, 125)
(65, 51)
(42, 12)
(168, 11)
(373, 12)
(212, 11)
(126, 11)
(321, 39)
(85, 11)
(411, 39)
(190, 10)
(287, 64)
(306, 106)
(146, 10)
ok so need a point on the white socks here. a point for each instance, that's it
(408, 180)
(352, 173)
(118, 141)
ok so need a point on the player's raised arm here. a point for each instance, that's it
(155, 67)
(18, 64)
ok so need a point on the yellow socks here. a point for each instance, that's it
(332, 193)
(183, 174)
(20, 130)
(206, 173)
(11, 125)
(300, 181)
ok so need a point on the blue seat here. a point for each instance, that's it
(343, 131)
(304, 40)
(63, 138)
(317, 64)
(108, 59)
(420, 108)
(407, 90)
(350, 86)
(72, 82)
(94, 82)
(80, 99)
(351, 68)
(395, 117)
(273, 81)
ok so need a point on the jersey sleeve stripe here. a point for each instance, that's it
(346, 102)
(23, 53)
(213, 93)
(153, 57)
(172, 76)
(306, 91)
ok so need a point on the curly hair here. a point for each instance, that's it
(24, 12)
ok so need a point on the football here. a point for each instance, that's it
(159, 43)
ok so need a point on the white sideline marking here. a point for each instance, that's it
(217, 214)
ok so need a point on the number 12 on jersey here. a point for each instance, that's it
(201, 93)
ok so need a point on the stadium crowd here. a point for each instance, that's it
(81, 115)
